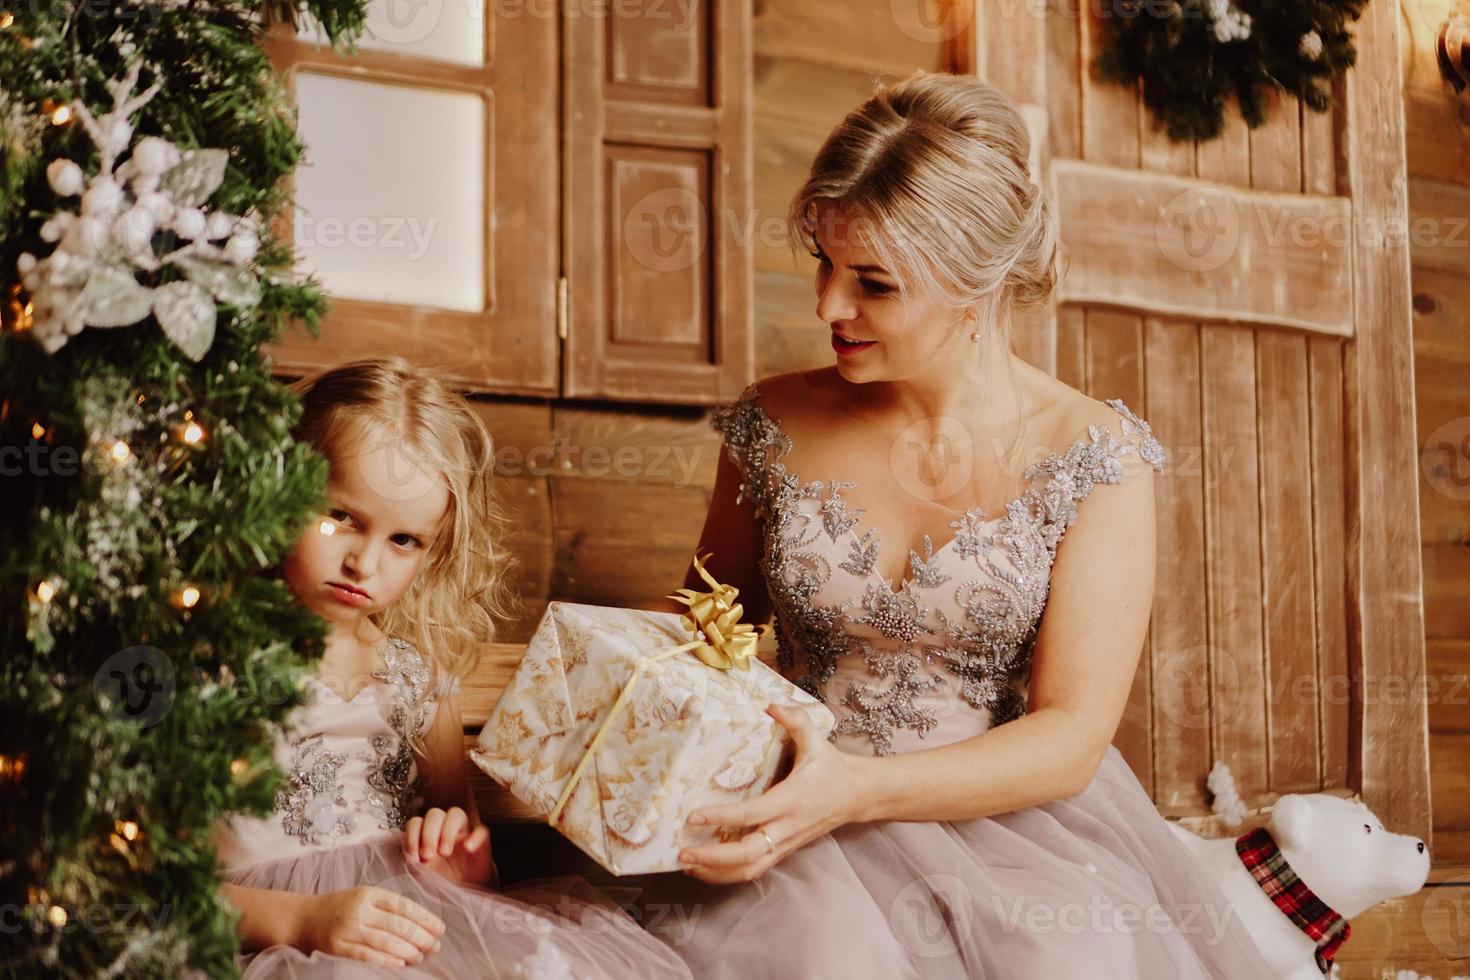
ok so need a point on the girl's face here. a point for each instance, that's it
(383, 514)
(878, 332)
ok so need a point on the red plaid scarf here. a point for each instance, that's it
(1264, 860)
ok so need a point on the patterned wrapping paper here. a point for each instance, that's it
(689, 735)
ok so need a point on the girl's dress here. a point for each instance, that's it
(351, 784)
(1095, 885)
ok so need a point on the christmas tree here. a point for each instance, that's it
(150, 484)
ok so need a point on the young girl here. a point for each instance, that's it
(406, 567)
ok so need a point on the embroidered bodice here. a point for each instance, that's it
(349, 768)
(950, 648)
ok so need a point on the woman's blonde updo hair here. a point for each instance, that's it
(462, 591)
(935, 166)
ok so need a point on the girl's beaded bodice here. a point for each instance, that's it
(949, 650)
(349, 766)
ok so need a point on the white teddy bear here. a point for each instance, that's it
(1295, 884)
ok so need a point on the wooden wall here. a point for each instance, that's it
(1250, 584)
(609, 500)
(1439, 206)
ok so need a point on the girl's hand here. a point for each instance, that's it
(370, 924)
(443, 841)
(822, 793)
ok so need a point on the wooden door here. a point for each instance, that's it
(659, 222)
(1249, 296)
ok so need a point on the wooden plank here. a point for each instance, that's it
(1189, 249)
(676, 449)
(1448, 690)
(1440, 302)
(621, 544)
(1115, 370)
(1177, 640)
(1329, 529)
(1446, 583)
(1110, 112)
(1226, 158)
(1276, 146)
(1448, 752)
(875, 37)
(1439, 225)
(1440, 147)
(1389, 598)
(1064, 71)
(522, 436)
(1287, 585)
(1319, 152)
(1233, 555)
(1072, 346)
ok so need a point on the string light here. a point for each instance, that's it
(12, 768)
(193, 432)
(38, 431)
(120, 452)
(56, 915)
(45, 592)
(61, 116)
(6, 19)
(128, 828)
(328, 528)
(238, 767)
(189, 596)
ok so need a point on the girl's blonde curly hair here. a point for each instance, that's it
(462, 592)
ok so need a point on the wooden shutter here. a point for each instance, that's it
(504, 338)
(658, 209)
(1249, 296)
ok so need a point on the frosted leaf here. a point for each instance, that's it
(228, 284)
(112, 298)
(186, 313)
(197, 176)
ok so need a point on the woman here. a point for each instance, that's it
(959, 553)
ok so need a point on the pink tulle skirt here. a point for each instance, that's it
(547, 929)
(1093, 886)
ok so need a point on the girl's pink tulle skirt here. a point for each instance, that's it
(547, 929)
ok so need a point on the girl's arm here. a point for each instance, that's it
(267, 917)
(451, 817)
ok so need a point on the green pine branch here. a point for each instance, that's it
(96, 553)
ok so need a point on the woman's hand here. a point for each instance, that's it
(370, 924)
(823, 791)
(443, 841)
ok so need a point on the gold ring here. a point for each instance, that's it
(770, 844)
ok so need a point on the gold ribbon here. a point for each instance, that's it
(721, 641)
(715, 615)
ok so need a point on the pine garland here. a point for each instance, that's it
(146, 500)
(1193, 55)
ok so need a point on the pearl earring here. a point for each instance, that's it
(975, 337)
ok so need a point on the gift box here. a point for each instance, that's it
(619, 723)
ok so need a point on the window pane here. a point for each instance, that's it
(390, 201)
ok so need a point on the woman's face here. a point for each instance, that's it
(382, 516)
(879, 331)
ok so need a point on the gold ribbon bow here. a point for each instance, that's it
(715, 616)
